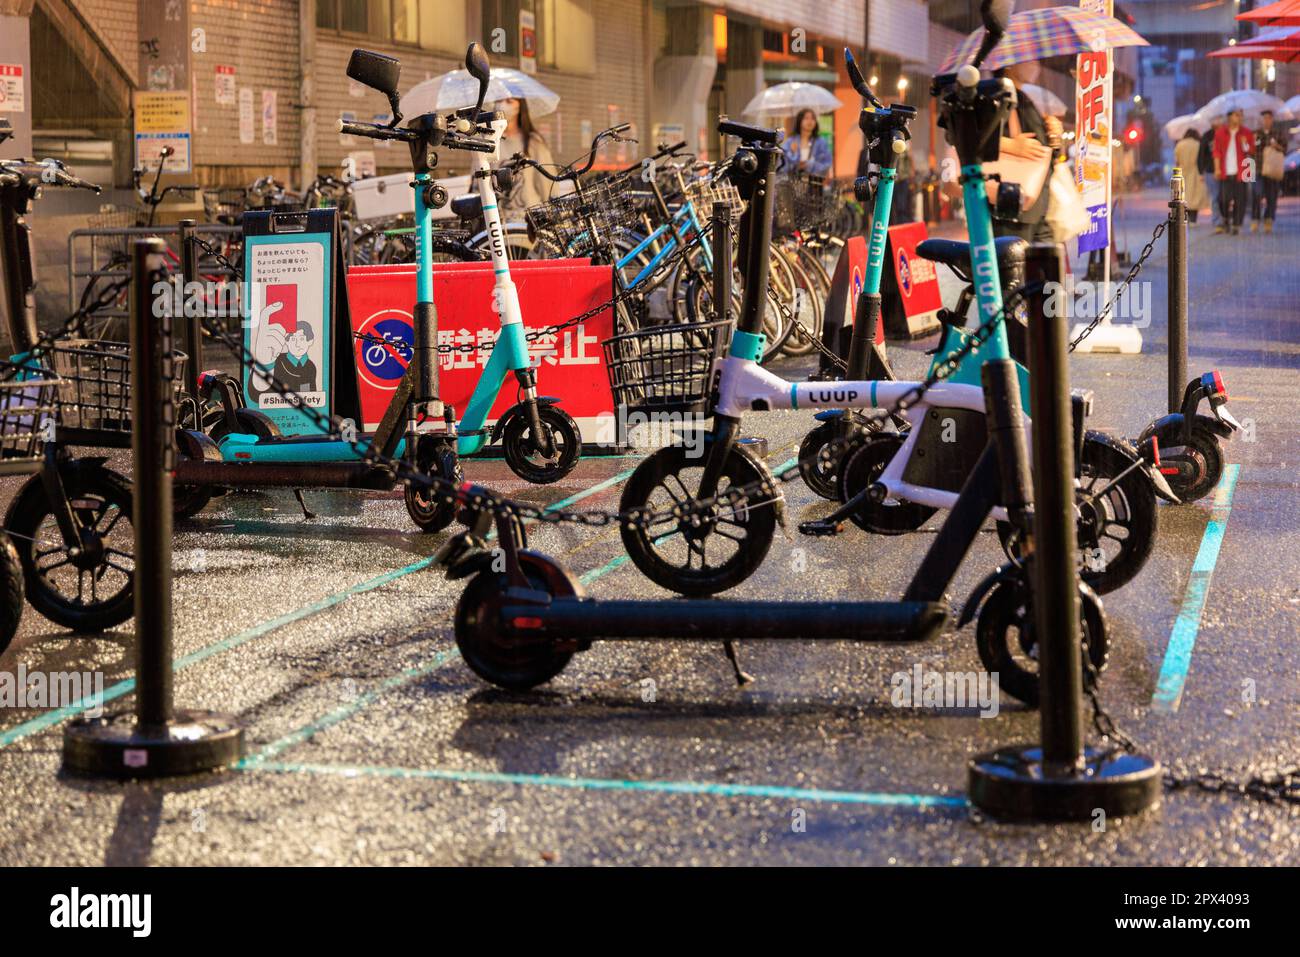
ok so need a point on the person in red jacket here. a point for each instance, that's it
(1234, 168)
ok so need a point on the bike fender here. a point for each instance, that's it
(499, 429)
(1173, 421)
(197, 445)
(829, 415)
(469, 564)
(1218, 426)
(972, 606)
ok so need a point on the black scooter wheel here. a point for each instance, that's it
(427, 504)
(817, 473)
(523, 455)
(1199, 461)
(501, 655)
(863, 468)
(88, 585)
(707, 553)
(1008, 645)
(11, 591)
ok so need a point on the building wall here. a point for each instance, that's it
(259, 38)
(115, 21)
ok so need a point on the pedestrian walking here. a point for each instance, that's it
(1270, 144)
(1186, 157)
(1234, 154)
(1205, 166)
(521, 136)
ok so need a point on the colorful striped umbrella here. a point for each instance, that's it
(1047, 32)
(1284, 13)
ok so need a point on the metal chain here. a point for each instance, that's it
(216, 254)
(1132, 274)
(1278, 786)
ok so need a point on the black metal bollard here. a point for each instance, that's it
(722, 260)
(1177, 230)
(154, 740)
(193, 323)
(1058, 779)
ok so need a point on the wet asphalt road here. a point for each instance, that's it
(371, 742)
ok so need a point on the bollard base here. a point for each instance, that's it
(116, 746)
(1012, 784)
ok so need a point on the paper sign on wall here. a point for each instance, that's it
(247, 116)
(224, 85)
(270, 118)
(527, 41)
(13, 98)
(162, 119)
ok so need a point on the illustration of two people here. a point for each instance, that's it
(283, 355)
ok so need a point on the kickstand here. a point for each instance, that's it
(742, 679)
(306, 512)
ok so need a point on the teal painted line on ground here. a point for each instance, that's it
(1178, 655)
(343, 712)
(875, 798)
(57, 716)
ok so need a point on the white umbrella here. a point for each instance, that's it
(787, 99)
(1293, 105)
(1048, 103)
(457, 89)
(1177, 128)
(1292, 161)
(1250, 102)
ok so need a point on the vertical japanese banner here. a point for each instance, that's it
(527, 41)
(270, 118)
(1094, 112)
(247, 116)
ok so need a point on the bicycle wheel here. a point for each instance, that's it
(805, 308)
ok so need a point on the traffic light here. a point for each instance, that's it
(1134, 134)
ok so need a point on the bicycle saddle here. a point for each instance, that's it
(1011, 252)
(469, 206)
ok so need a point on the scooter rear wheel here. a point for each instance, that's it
(88, 585)
(426, 504)
(508, 657)
(1200, 461)
(1008, 644)
(818, 474)
(527, 461)
(674, 553)
(864, 467)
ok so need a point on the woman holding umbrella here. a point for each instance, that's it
(806, 150)
(1186, 157)
(522, 137)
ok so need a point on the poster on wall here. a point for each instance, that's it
(270, 118)
(13, 97)
(527, 41)
(162, 119)
(247, 116)
(224, 85)
(1094, 110)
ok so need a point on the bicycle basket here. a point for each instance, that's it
(610, 206)
(26, 405)
(802, 202)
(704, 194)
(666, 369)
(96, 395)
(111, 216)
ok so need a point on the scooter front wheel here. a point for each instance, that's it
(504, 656)
(523, 454)
(819, 473)
(11, 591)
(709, 551)
(427, 504)
(1007, 642)
(86, 585)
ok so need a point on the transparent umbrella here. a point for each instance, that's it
(1048, 103)
(1250, 102)
(457, 89)
(1177, 128)
(787, 99)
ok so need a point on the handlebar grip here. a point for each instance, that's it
(749, 134)
(374, 131)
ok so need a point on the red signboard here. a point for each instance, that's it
(918, 283)
(571, 364)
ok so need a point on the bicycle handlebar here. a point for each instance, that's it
(48, 172)
(376, 131)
